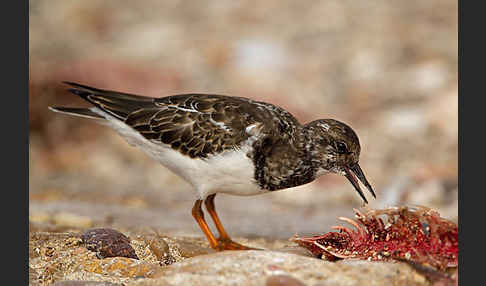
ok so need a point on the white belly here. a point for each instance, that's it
(230, 172)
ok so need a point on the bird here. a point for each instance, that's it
(226, 144)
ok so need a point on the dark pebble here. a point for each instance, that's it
(107, 242)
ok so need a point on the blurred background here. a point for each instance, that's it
(387, 68)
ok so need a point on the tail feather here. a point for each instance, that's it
(81, 112)
(115, 103)
(92, 90)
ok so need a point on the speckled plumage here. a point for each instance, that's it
(224, 144)
(284, 152)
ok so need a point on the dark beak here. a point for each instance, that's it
(353, 172)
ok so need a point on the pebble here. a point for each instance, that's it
(108, 242)
(160, 249)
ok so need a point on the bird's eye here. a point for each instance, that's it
(341, 148)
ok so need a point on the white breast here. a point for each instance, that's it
(230, 172)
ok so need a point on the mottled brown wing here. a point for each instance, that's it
(196, 125)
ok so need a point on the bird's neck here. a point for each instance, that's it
(284, 164)
(316, 147)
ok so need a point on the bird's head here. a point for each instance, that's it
(334, 147)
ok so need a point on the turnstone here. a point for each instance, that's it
(225, 144)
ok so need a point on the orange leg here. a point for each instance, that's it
(198, 214)
(224, 241)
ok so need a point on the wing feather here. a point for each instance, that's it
(196, 125)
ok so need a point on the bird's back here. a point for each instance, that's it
(196, 125)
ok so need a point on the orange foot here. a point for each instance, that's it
(228, 244)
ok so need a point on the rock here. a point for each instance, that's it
(62, 257)
(190, 248)
(161, 250)
(256, 267)
(296, 250)
(282, 280)
(108, 242)
(119, 266)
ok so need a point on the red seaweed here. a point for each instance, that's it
(417, 235)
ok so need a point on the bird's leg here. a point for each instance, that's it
(212, 211)
(198, 214)
(224, 241)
